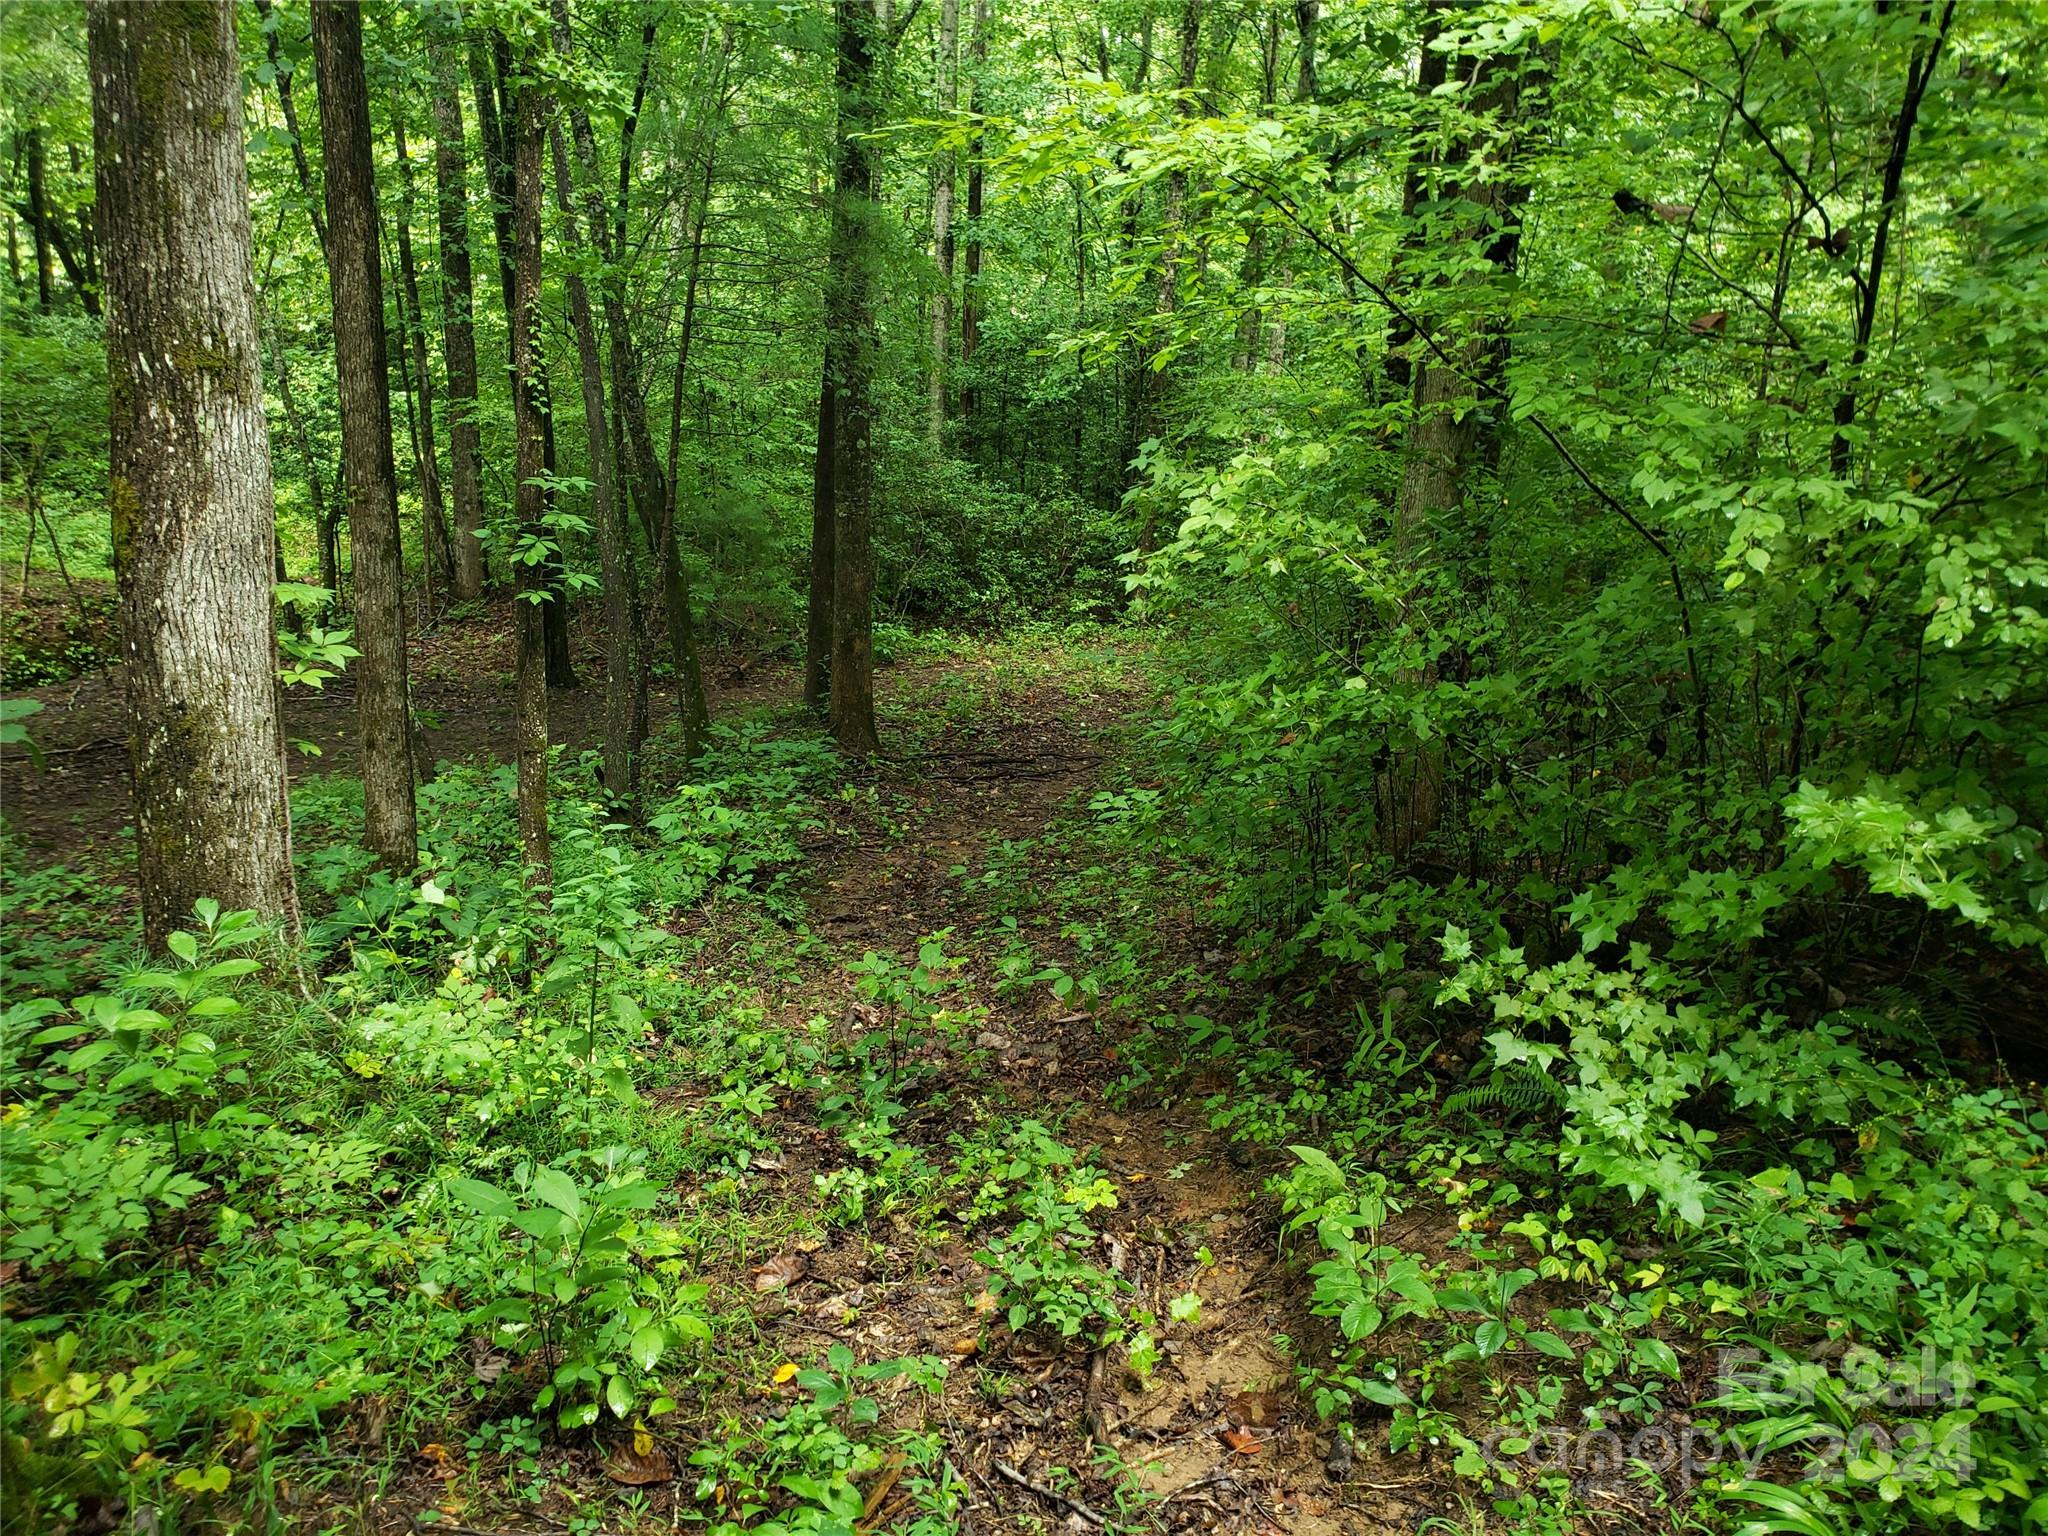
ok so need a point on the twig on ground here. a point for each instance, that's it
(1010, 1474)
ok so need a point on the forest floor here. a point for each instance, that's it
(1043, 1436)
(980, 830)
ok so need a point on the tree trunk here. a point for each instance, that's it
(942, 219)
(458, 331)
(356, 285)
(491, 79)
(1430, 73)
(818, 634)
(854, 344)
(1919, 71)
(281, 72)
(1444, 443)
(651, 489)
(621, 762)
(323, 514)
(524, 317)
(970, 285)
(440, 560)
(189, 465)
(39, 217)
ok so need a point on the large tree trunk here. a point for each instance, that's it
(942, 218)
(440, 560)
(355, 282)
(533, 595)
(189, 464)
(458, 331)
(854, 345)
(621, 762)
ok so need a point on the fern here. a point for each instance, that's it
(1520, 1087)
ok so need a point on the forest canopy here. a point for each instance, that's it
(869, 765)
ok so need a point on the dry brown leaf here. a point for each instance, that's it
(1259, 1409)
(1712, 323)
(965, 1347)
(781, 1273)
(984, 1303)
(638, 1469)
(1242, 1441)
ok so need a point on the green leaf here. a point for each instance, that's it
(647, 1346)
(618, 1396)
(1490, 1337)
(487, 1200)
(558, 1190)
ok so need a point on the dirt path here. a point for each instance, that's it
(1218, 1437)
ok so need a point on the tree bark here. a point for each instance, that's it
(189, 464)
(942, 219)
(854, 346)
(440, 559)
(458, 329)
(355, 283)
(530, 503)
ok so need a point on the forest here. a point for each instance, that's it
(880, 767)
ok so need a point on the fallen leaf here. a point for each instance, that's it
(780, 1273)
(1260, 1409)
(1712, 323)
(785, 1372)
(984, 1303)
(1242, 1441)
(629, 1465)
(965, 1347)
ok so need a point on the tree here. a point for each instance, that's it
(654, 492)
(854, 347)
(623, 722)
(440, 559)
(970, 284)
(531, 504)
(189, 482)
(942, 216)
(355, 283)
(458, 330)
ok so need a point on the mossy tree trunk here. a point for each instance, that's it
(190, 489)
(355, 282)
(854, 346)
